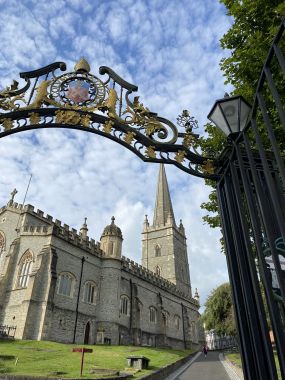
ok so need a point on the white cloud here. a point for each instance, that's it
(170, 50)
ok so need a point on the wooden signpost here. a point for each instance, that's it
(82, 350)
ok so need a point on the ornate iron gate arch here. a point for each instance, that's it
(250, 176)
(80, 100)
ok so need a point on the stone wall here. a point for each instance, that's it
(40, 312)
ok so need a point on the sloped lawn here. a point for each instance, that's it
(236, 360)
(49, 359)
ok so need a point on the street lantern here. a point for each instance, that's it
(230, 114)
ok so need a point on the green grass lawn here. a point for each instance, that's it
(236, 360)
(42, 358)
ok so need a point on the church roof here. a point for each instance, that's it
(163, 212)
(112, 229)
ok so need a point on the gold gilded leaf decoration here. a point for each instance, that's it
(34, 118)
(109, 104)
(108, 126)
(60, 116)
(180, 156)
(150, 152)
(85, 120)
(208, 167)
(7, 102)
(129, 137)
(68, 117)
(139, 107)
(73, 118)
(151, 127)
(7, 124)
(188, 140)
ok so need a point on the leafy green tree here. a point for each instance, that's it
(218, 312)
(255, 23)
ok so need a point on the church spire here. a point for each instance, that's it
(163, 213)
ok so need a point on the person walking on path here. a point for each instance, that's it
(205, 350)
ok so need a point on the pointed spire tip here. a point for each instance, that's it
(163, 213)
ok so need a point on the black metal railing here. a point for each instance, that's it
(252, 204)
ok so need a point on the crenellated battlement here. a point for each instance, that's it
(74, 238)
(63, 232)
(55, 227)
(138, 270)
(12, 205)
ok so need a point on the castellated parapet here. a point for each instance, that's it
(143, 273)
(54, 227)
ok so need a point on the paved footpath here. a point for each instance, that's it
(201, 368)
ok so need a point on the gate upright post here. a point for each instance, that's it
(257, 355)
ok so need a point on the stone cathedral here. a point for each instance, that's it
(58, 284)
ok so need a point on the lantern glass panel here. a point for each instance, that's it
(244, 114)
(217, 118)
(231, 110)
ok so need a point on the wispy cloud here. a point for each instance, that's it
(171, 51)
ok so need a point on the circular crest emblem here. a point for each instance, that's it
(78, 89)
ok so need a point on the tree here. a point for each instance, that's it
(255, 23)
(218, 314)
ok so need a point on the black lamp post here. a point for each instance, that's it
(240, 182)
(230, 114)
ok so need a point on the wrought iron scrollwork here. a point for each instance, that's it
(81, 100)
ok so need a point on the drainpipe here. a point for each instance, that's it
(78, 297)
(131, 309)
(183, 327)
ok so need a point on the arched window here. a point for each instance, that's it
(90, 292)
(157, 250)
(177, 321)
(66, 284)
(152, 314)
(24, 269)
(2, 242)
(111, 248)
(158, 270)
(125, 305)
(166, 318)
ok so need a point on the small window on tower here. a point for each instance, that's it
(158, 270)
(111, 248)
(157, 250)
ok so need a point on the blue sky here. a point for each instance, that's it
(170, 49)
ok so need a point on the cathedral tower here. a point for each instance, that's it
(164, 249)
(111, 240)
